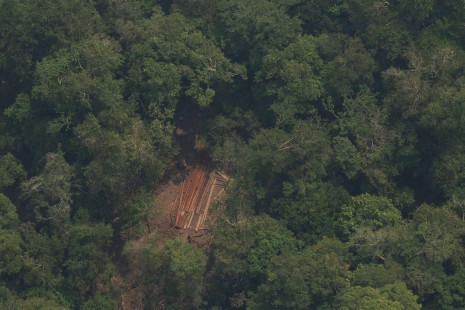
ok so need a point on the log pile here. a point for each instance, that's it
(196, 194)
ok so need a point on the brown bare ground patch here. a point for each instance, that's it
(163, 228)
(167, 204)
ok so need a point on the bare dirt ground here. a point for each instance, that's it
(162, 229)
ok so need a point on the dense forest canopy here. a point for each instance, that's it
(340, 122)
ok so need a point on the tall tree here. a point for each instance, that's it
(49, 194)
(10, 240)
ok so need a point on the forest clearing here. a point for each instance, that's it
(232, 154)
(197, 193)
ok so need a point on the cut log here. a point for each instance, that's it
(219, 194)
(190, 219)
(180, 195)
(178, 213)
(189, 191)
(193, 203)
(209, 198)
(199, 219)
(203, 199)
(197, 189)
(207, 205)
(226, 178)
(197, 194)
(185, 194)
(182, 222)
(175, 207)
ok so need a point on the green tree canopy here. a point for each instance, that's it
(369, 211)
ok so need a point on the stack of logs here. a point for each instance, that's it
(196, 194)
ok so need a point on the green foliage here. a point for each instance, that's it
(388, 34)
(67, 85)
(398, 291)
(71, 80)
(364, 125)
(20, 110)
(444, 114)
(303, 280)
(440, 231)
(340, 124)
(310, 209)
(348, 68)
(225, 129)
(120, 158)
(102, 302)
(392, 296)
(37, 303)
(251, 243)
(182, 267)
(378, 275)
(11, 170)
(32, 29)
(49, 195)
(347, 157)
(8, 216)
(138, 213)
(369, 211)
(44, 260)
(6, 299)
(274, 155)
(167, 52)
(291, 78)
(416, 11)
(10, 252)
(250, 30)
(244, 251)
(172, 274)
(452, 290)
(426, 247)
(10, 241)
(285, 286)
(87, 259)
(323, 16)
